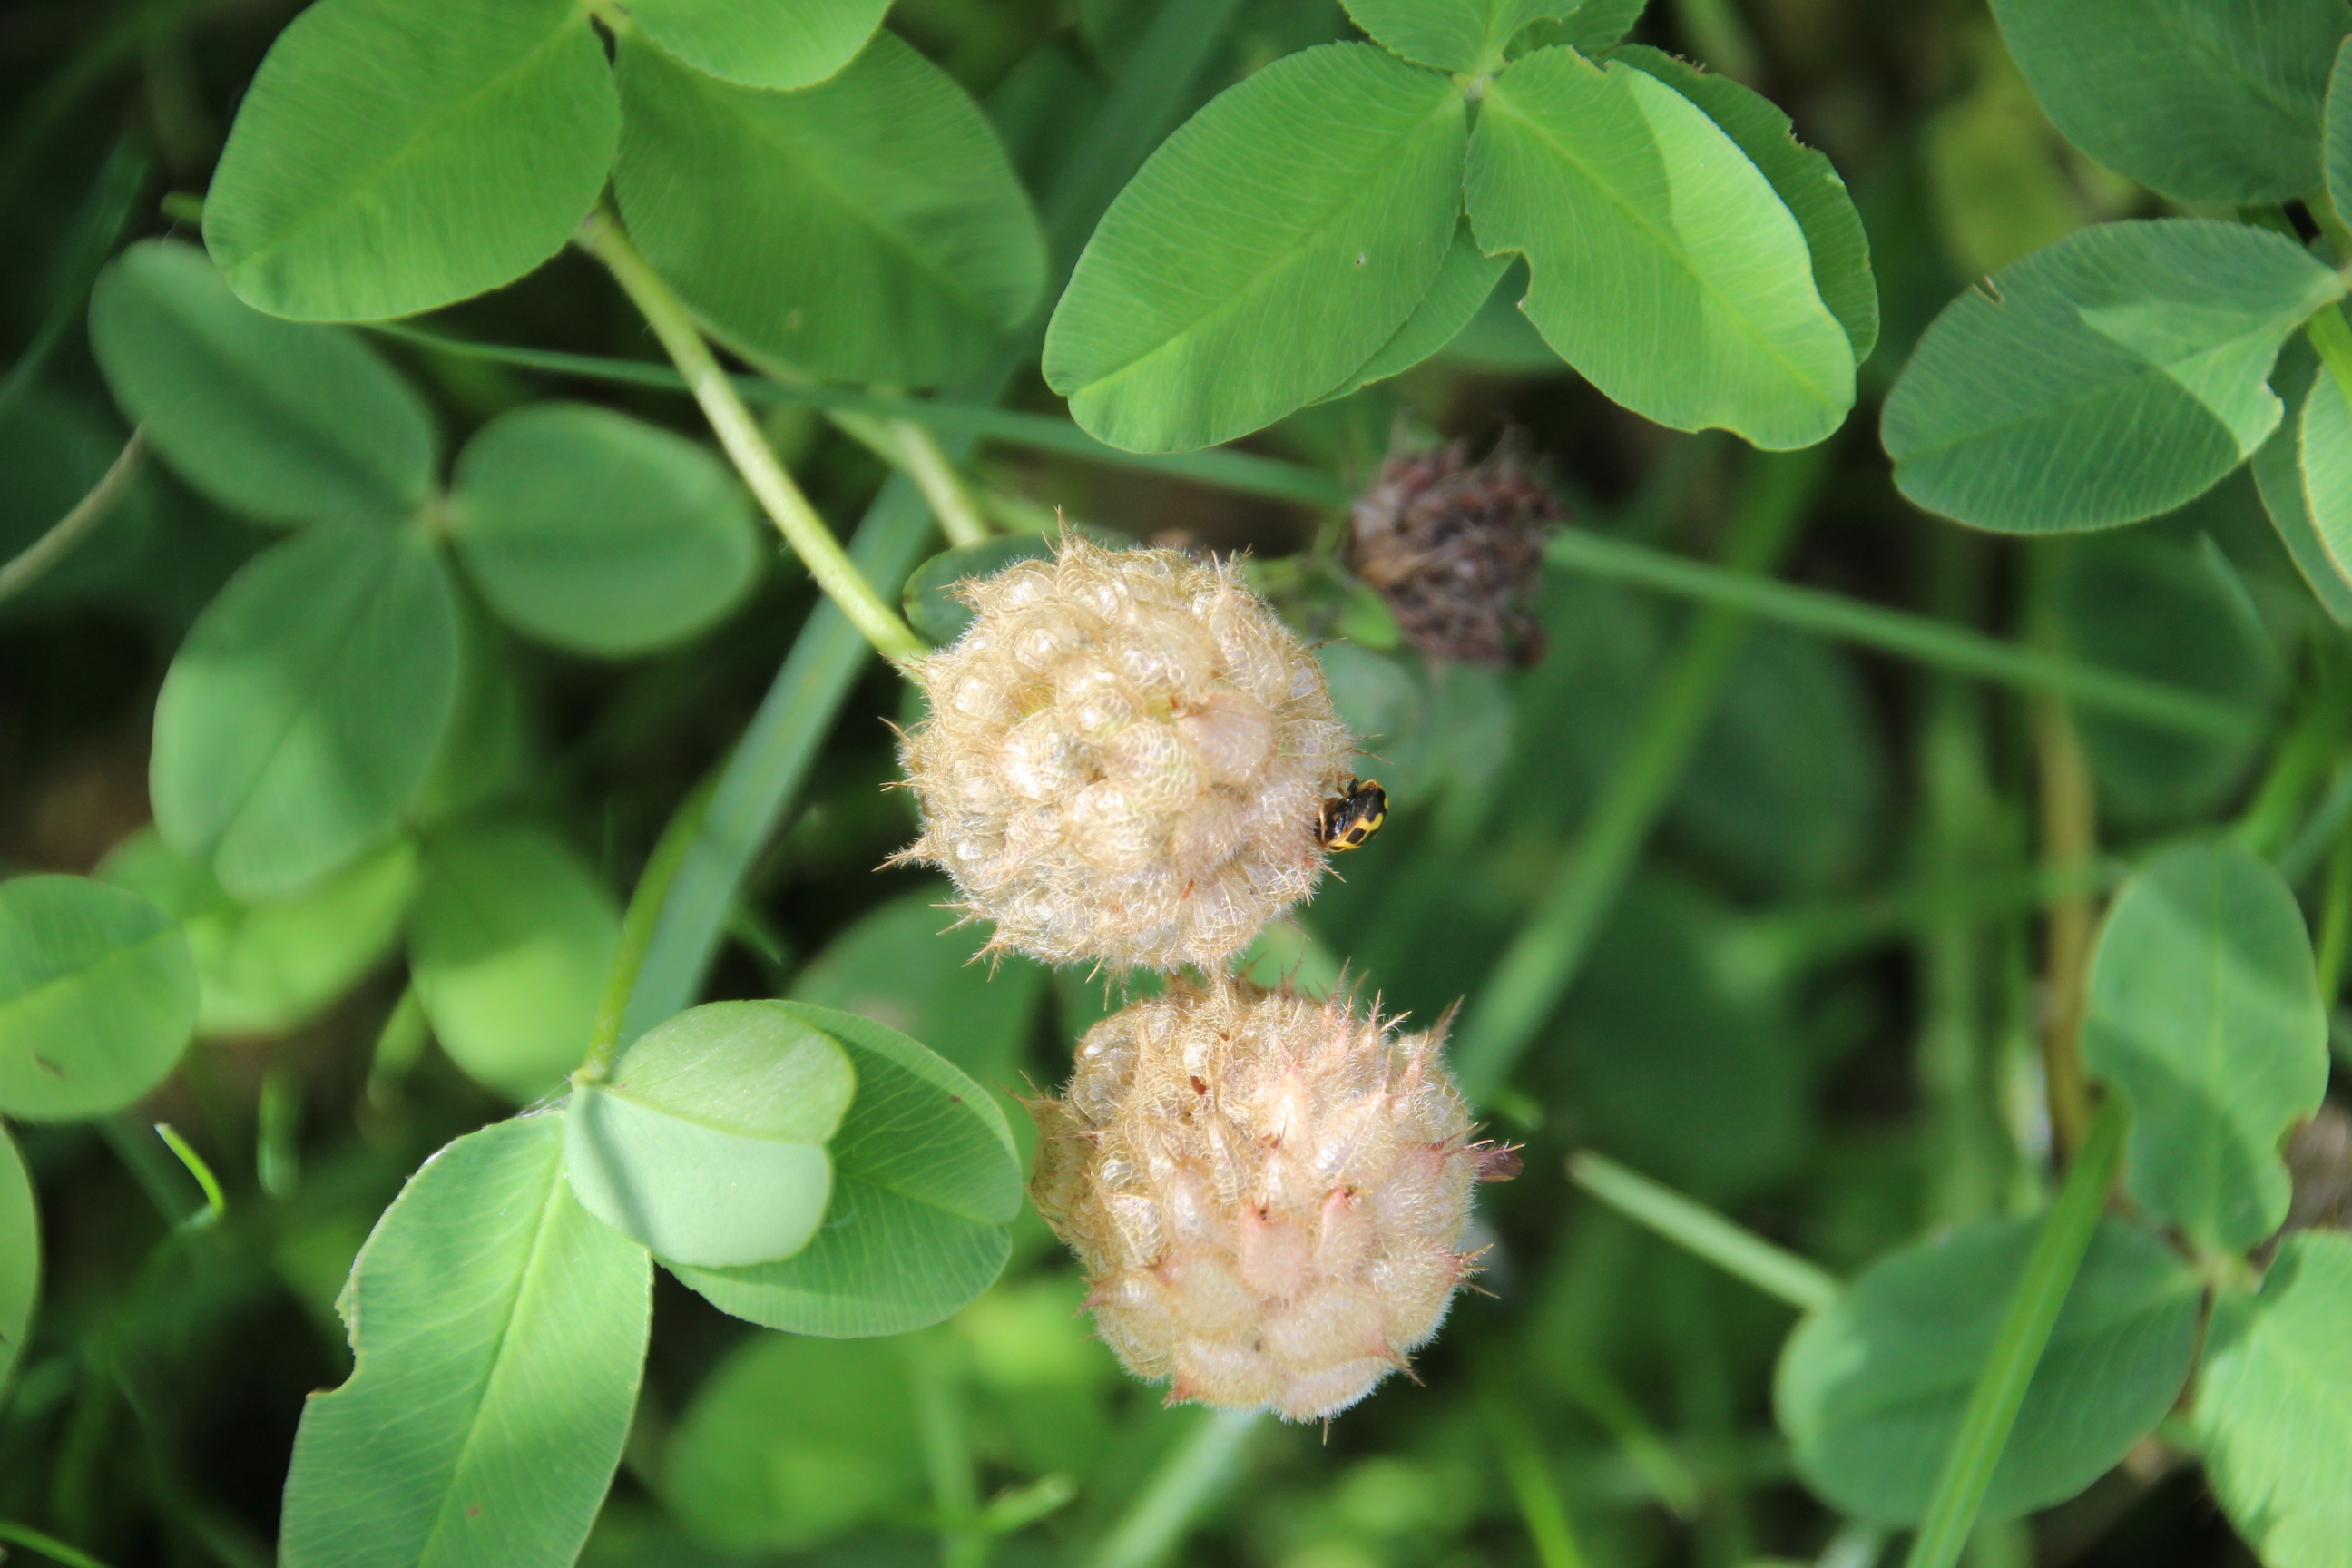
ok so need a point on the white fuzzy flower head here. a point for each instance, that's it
(1123, 760)
(1265, 1191)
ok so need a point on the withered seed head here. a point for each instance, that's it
(1123, 760)
(1455, 547)
(1265, 1192)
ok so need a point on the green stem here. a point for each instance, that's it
(1699, 1230)
(103, 215)
(1189, 1477)
(602, 237)
(2017, 1348)
(942, 484)
(2332, 336)
(1931, 642)
(646, 905)
(1529, 1472)
(48, 1546)
(215, 1202)
(947, 1455)
(27, 566)
(1542, 961)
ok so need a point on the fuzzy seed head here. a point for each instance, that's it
(1265, 1192)
(1123, 760)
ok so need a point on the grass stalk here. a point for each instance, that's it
(1699, 1230)
(2017, 1348)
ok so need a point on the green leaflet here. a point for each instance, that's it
(1267, 249)
(2278, 469)
(600, 533)
(2204, 101)
(281, 422)
(498, 1333)
(1464, 280)
(2106, 378)
(2337, 144)
(759, 43)
(707, 1146)
(930, 599)
(2273, 1406)
(395, 155)
(1804, 180)
(1871, 1391)
(510, 943)
(297, 722)
(868, 229)
(1663, 266)
(793, 1440)
(1452, 35)
(2204, 1011)
(20, 1258)
(2322, 446)
(264, 968)
(926, 1178)
(97, 997)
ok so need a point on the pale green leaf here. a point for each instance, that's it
(926, 1179)
(793, 1440)
(2204, 1012)
(868, 227)
(510, 945)
(394, 155)
(1804, 180)
(2278, 469)
(499, 1334)
(708, 1145)
(97, 997)
(1464, 280)
(1664, 268)
(2272, 1411)
(299, 717)
(20, 1258)
(774, 44)
(1266, 250)
(1465, 35)
(2203, 100)
(2109, 377)
(1871, 1391)
(281, 422)
(1594, 25)
(598, 532)
(265, 968)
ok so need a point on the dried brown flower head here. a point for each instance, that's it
(1265, 1191)
(1124, 758)
(1455, 547)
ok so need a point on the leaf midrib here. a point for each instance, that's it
(1279, 262)
(539, 1241)
(1496, 103)
(111, 956)
(323, 673)
(344, 196)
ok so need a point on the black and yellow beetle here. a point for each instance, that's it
(1345, 823)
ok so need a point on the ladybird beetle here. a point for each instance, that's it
(1356, 815)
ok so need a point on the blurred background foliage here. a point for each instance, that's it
(1815, 1003)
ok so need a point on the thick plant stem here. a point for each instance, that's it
(27, 566)
(1541, 963)
(1189, 1477)
(942, 484)
(2069, 843)
(739, 432)
(2017, 1348)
